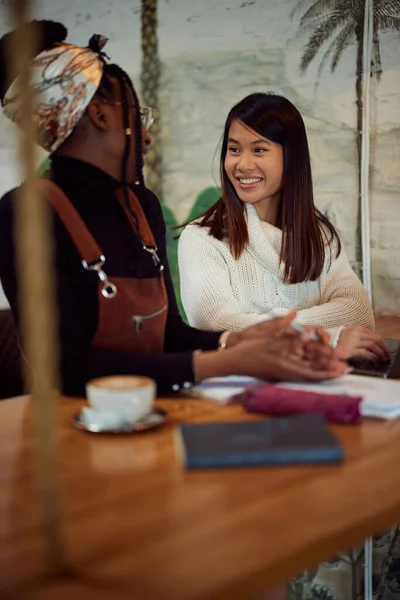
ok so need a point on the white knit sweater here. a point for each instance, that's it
(219, 292)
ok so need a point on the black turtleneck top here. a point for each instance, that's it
(91, 191)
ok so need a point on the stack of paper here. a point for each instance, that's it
(381, 397)
(221, 389)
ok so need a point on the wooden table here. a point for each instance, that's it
(388, 326)
(138, 526)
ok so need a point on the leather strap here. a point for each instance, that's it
(85, 243)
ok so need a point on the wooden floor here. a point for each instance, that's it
(388, 326)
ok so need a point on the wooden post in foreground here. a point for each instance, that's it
(36, 300)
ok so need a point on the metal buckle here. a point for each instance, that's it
(108, 290)
(156, 259)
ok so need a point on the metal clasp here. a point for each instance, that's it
(109, 290)
(156, 259)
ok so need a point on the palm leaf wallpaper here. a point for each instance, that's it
(341, 24)
(326, 30)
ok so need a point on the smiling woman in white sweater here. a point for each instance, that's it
(264, 248)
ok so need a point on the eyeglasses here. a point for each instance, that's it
(147, 114)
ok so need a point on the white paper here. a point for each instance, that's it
(221, 389)
(381, 397)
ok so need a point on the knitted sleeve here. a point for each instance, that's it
(209, 302)
(206, 290)
(344, 301)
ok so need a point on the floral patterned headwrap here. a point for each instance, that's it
(64, 80)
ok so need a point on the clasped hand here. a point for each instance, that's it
(273, 350)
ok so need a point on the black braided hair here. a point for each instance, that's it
(106, 89)
(50, 33)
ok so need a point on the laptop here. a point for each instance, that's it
(376, 367)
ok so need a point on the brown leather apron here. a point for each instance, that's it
(132, 311)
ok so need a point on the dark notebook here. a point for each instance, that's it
(304, 439)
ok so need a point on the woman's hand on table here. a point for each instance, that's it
(270, 329)
(362, 343)
(286, 356)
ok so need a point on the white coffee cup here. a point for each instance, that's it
(129, 395)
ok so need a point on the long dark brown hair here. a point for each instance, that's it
(305, 229)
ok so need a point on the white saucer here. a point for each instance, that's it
(154, 419)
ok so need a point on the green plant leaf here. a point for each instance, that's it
(172, 252)
(204, 201)
(44, 167)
